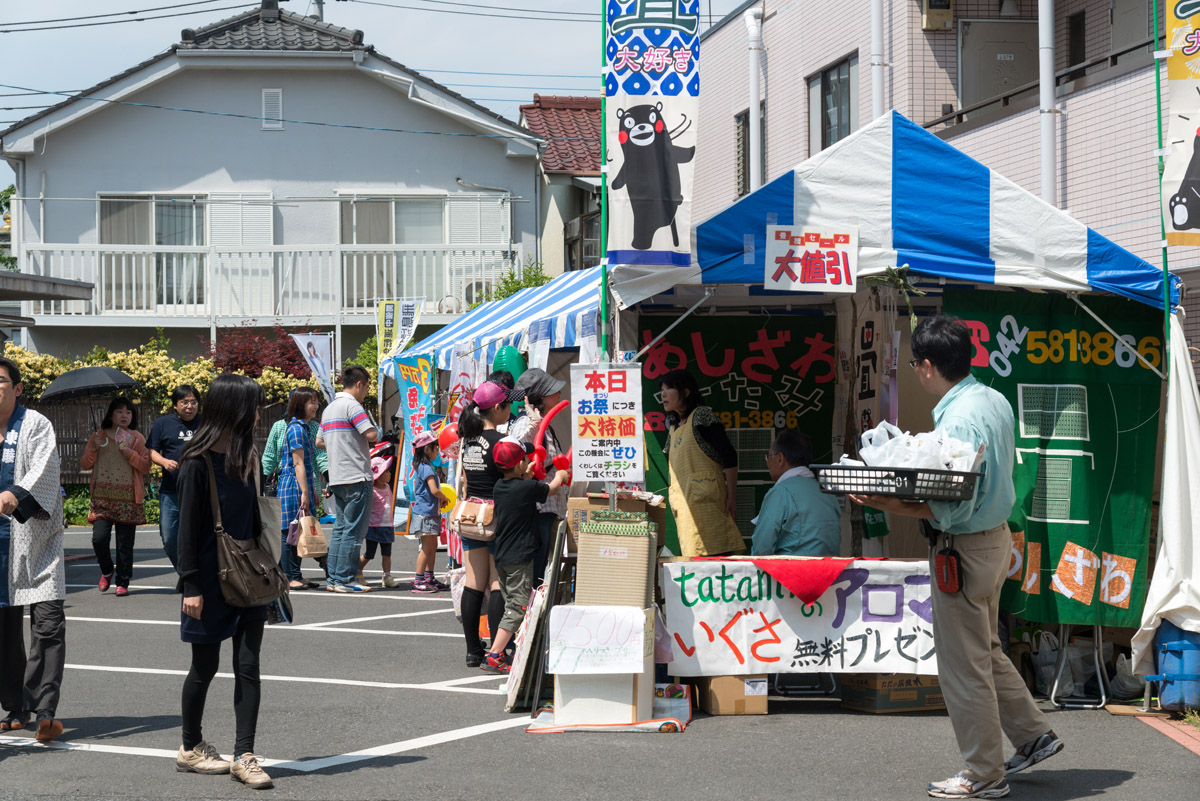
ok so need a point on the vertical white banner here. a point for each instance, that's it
(317, 350)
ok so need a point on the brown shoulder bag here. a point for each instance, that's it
(249, 574)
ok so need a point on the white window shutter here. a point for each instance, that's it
(480, 224)
(272, 109)
(243, 277)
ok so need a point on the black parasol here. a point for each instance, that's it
(87, 382)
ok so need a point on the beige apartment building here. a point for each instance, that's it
(966, 70)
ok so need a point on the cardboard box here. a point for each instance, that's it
(598, 699)
(616, 569)
(731, 695)
(580, 509)
(890, 692)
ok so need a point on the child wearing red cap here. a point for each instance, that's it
(516, 542)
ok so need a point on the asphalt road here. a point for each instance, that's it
(367, 697)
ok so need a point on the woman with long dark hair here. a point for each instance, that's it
(226, 439)
(703, 467)
(297, 488)
(478, 431)
(118, 458)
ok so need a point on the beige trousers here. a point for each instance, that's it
(984, 693)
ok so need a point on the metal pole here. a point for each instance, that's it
(753, 20)
(876, 59)
(1046, 86)
(1162, 225)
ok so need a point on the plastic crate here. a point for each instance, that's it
(901, 482)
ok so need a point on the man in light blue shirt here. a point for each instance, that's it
(985, 695)
(796, 518)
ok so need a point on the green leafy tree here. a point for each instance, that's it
(531, 274)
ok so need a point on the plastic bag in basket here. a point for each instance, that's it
(888, 446)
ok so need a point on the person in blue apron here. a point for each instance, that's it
(31, 565)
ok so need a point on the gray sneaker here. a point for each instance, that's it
(247, 771)
(959, 786)
(201, 759)
(1034, 752)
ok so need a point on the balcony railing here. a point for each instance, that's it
(296, 282)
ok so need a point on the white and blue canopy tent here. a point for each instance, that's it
(919, 201)
(564, 305)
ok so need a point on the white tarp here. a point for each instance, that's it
(1174, 593)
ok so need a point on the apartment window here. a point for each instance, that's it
(582, 241)
(272, 109)
(832, 104)
(742, 127)
(170, 224)
(1076, 43)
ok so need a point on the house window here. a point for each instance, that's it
(272, 109)
(832, 104)
(582, 239)
(742, 127)
(173, 225)
(1076, 43)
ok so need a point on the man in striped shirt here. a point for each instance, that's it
(347, 432)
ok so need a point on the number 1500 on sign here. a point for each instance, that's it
(1101, 349)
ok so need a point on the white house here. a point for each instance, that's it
(268, 168)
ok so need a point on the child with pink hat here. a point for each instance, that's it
(426, 521)
(380, 532)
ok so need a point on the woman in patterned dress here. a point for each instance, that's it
(297, 488)
(118, 458)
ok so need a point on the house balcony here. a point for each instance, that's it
(306, 285)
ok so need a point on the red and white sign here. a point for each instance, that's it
(811, 259)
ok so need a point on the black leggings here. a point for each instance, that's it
(385, 548)
(102, 529)
(247, 643)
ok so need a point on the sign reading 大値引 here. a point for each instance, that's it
(807, 259)
(1087, 434)
(731, 617)
(607, 409)
(652, 92)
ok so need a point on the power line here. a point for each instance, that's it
(591, 14)
(112, 14)
(27, 94)
(508, 74)
(234, 115)
(120, 21)
(477, 13)
(533, 88)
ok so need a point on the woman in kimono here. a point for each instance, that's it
(31, 564)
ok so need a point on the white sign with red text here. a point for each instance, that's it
(807, 259)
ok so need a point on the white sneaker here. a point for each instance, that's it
(361, 579)
(959, 786)
(390, 582)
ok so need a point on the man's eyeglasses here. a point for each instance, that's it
(914, 362)
(192, 402)
(4, 381)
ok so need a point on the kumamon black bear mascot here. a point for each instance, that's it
(650, 171)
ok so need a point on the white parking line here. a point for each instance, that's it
(325, 623)
(317, 593)
(272, 628)
(313, 765)
(452, 686)
(303, 765)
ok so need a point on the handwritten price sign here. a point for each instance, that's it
(599, 639)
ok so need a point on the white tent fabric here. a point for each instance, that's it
(1174, 592)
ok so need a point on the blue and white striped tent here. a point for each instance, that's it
(562, 306)
(916, 200)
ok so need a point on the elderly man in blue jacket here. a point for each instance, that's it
(796, 518)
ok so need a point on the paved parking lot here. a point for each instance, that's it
(367, 697)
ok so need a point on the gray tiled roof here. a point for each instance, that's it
(271, 29)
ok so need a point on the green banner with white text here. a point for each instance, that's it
(1087, 435)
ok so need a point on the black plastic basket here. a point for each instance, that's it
(901, 482)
